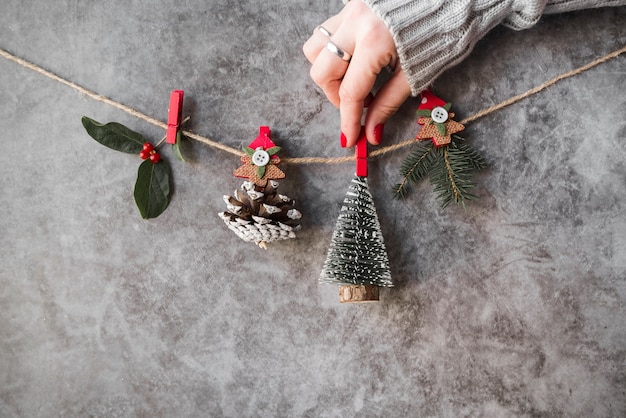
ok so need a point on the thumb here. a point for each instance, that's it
(386, 102)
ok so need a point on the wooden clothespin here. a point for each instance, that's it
(174, 115)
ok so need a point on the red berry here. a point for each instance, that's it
(145, 154)
(148, 147)
(155, 157)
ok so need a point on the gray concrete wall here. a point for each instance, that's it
(513, 307)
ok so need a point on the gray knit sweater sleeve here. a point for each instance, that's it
(434, 35)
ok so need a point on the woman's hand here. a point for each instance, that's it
(348, 84)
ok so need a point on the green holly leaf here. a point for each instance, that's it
(176, 147)
(152, 188)
(114, 135)
(260, 171)
(441, 127)
(447, 106)
(273, 150)
(424, 112)
(249, 151)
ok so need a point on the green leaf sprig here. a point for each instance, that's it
(152, 187)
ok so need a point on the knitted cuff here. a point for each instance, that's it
(432, 36)
(559, 6)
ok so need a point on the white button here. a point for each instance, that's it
(260, 157)
(439, 114)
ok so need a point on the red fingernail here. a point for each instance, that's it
(343, 140)
(378, 132)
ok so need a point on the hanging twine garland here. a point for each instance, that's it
(304, 160)
(357, 259)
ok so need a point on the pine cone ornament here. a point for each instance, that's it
(257, 212)
(261, 215)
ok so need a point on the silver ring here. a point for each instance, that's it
(324, 31)
(338, 51)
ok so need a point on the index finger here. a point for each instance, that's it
(354, 89)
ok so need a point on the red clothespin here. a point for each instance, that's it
(430, 101)
(360, 154)
(174, 115)
(263, 140)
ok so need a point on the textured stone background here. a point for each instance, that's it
(513, 307)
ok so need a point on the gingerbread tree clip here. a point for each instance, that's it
(260, 162)
(436, 119)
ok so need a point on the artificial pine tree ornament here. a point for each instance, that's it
(357, 258)
(440, 154)
(257, 212)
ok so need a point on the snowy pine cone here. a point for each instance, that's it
(261, 215)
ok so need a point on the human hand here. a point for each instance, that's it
(348, 84)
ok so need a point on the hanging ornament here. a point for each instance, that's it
(257, 212)
(435, 117)
(260, 163)
(357, 258)
(440, 154)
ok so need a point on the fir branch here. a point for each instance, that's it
(450, 168)
(399, 190)
(453, 176)
(472, 156)
(415, 167)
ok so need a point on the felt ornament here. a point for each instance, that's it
(436, 119)
(257, 212)
(357, 258)
(440, 154)
(260, 162)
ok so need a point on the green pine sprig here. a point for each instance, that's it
(450, 169)
(416, 166)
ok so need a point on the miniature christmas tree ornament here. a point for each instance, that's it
(257, 212)
(357, 258)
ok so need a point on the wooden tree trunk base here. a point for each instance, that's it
(354, 293)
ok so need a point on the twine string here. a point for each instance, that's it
(303, 160)
(544, 86)
(113, 103)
